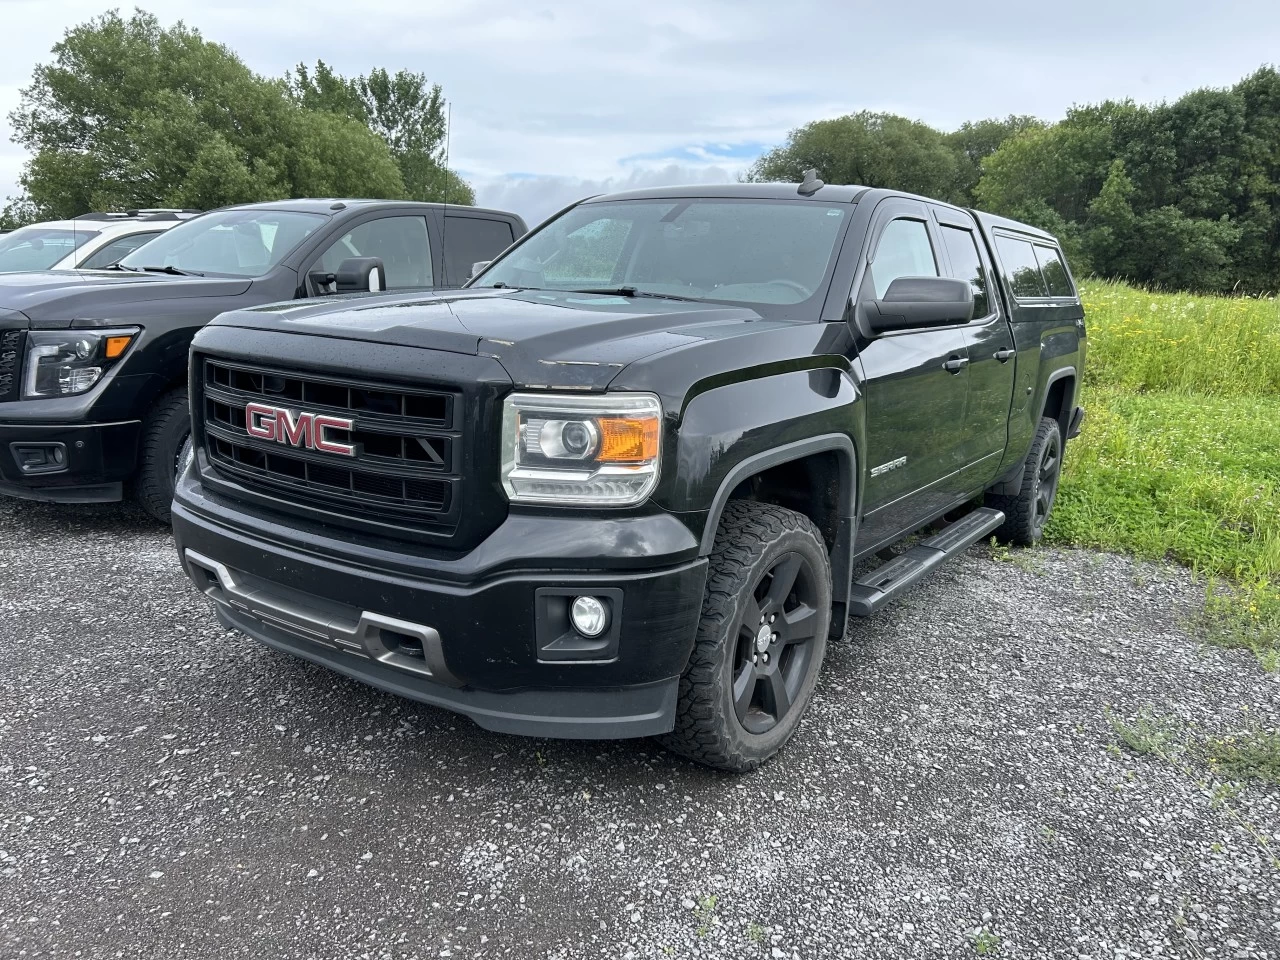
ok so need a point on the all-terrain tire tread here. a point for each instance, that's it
(154, 486)
(1019, 509)
(747, 529)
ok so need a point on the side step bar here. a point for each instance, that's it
(873, 591)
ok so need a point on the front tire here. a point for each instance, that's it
(166, 439)
(1028, 511)
(761, 639)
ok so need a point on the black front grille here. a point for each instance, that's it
(406, 446)
(11, 342)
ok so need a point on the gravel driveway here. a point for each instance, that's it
(171, 790)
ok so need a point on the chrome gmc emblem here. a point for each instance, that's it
(297, 429)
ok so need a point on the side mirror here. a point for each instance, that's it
(478, 266)
(361, 275)
(921, 302)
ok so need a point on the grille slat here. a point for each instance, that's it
(11, 344)
(405, 444)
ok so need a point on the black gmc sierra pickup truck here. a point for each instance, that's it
(626, 482)
(93, 363)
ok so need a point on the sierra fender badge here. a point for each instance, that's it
(297, 428)
(886, 467)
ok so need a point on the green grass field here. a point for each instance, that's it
(1180, 456)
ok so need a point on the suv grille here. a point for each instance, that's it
(405, 464)
(11, 363)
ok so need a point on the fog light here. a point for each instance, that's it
(590, 616)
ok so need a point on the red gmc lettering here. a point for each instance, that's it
(301, 429)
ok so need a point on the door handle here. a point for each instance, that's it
(956, 364)
(1003, 355)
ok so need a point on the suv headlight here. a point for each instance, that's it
(61, 363)
(585, 450)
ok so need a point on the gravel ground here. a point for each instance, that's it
(171, 790)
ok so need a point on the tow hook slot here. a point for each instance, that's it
(400, 644)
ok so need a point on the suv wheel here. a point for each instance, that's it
(166, 448)
(760, 641)
(1027, 512)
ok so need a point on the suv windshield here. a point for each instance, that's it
(758, 252)
(39, 248)
(237, 243)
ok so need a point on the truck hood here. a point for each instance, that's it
(53, 298)
(542, 338)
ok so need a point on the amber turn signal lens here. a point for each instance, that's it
(626, 440)
(117, 346)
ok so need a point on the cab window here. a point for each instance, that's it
(1054, 271)
(904, 251)
(1021, 268)
(401, 244)
(116, 250)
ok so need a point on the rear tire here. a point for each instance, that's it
(760, 641)
(1027, 512)
(165, 451)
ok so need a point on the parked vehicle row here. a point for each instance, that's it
(88, 242)
(93, 363)
(620, 483)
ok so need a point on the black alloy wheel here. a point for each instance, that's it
(775, 643)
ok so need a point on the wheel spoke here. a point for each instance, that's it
(784, 578)
(798, 625)
(744, 687)
(1049, 466)
(751, 616)
(777, 700)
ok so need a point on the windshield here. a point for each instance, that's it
(236, 243)
(758, 252)
(39, 248)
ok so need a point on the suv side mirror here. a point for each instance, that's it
(478, 266)
(921, 302)
(360, 275)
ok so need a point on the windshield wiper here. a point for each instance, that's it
(170, 269)
(633, 292)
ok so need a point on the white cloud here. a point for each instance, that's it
(567, 91)
(536, 198)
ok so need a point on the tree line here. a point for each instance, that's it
(1182, 195)
(129, 115)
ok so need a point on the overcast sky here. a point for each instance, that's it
(554, 101)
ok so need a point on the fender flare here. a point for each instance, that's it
(841, 443)
(1060, 374)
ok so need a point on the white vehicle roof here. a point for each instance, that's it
(92, 241)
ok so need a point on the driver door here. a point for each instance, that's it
(916, 385)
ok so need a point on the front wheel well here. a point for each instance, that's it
(809, 485)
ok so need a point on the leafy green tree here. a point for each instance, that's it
(872, 149)
(406, 111)
(975, 141)
(130, 114)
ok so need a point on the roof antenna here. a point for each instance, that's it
(811, 184)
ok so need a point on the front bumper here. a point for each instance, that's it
(472, 635)
(67, 462)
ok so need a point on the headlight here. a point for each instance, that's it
(581, 450)
(65, 362)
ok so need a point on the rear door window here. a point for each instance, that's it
(1054, 271)
(1021, 268)
(467, 240)
(966, 264)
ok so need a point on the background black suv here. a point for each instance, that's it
(93, 364)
